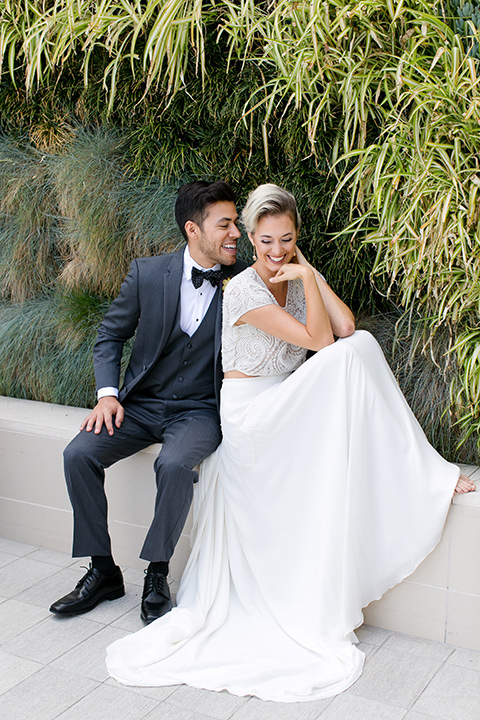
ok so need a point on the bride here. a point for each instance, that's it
(323, 494)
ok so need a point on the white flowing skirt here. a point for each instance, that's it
(323, 494)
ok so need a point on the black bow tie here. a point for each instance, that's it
(213, 276)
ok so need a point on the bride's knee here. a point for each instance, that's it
(360, 339)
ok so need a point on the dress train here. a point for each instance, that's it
(323, 495)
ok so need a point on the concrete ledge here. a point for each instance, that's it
(34, 504)
(440, 601)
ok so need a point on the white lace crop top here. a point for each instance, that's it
(244, 347)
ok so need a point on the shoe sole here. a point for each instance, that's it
(114, 595)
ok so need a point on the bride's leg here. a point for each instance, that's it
(464, 485)
(364, 342)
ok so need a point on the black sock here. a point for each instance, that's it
(104, 563)
(159, 567)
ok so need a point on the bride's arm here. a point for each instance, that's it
(341, 317)
(272, 319)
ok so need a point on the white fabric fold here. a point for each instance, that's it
(323, 495)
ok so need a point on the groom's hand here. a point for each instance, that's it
(103, 413)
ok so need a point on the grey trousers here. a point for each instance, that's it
(188, 437)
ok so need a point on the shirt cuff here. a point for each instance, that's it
(107, 391)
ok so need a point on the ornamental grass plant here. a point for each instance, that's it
(29, 254)
(411, 353)
(71, 223)
(45, 365)
(108, 215)
(368, 111)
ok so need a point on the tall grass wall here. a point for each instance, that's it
(368, 112)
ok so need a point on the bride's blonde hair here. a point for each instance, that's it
(269, 199)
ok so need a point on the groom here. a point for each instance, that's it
(170, 395)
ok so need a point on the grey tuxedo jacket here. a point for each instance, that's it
(146, 308)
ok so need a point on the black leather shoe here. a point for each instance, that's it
(89, 591)
(156, 600)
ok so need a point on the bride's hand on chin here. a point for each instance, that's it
(300, 257)
(291, 271)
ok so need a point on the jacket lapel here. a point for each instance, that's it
(226, 273)
(171, 297)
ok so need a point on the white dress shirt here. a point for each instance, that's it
(194, 303)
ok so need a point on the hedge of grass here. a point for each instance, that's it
(367, 111)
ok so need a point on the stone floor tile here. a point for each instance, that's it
(372, 635)
(453, 694)
(16, 548)
(465, 658)
(367, 649)
(171, 712)
(173, 584)
(44, 695)
(133, 576)
(130, 621)
(51, 588)
(22, 574)
(88, 657)
(394, 678)
(14, 669)
(157, 693)
(354, 707)
(418, 647)
(220, 705)
(405, 678)
(81, 564)
(16, 616)
(7, 558)
(49, 639)
(55, 557)
(109, 703)
(256, 709)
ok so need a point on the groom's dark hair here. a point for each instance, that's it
(194, 199)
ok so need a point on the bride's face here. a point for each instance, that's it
(274, 242)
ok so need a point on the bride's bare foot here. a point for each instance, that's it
(464, 485)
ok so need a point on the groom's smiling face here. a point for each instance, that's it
(215, 239)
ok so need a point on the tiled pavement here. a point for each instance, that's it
(53, 667)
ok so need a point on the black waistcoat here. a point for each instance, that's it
(185, 369)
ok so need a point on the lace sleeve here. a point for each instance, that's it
(247, 349)
(242, 294)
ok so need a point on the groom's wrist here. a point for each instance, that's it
(107, 391)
